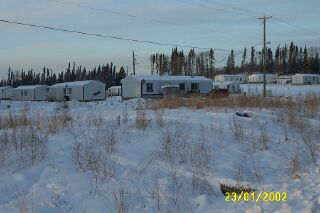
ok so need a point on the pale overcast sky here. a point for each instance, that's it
(216, 27)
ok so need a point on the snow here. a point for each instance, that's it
(55, 184)
(281, 90)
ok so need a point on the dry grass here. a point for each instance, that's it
(96, 152)
(25, 203)
(236, 128)
(95, 119)
(309, 105)
(142, 120)
(159, 118)
(121, 201)
(295, 165)
(25, 135)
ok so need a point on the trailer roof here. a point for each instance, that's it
(306, 74)
(30, 86)
(223, 83)
(168, 78)
(5, 87)
(74, 83)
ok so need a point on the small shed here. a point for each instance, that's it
(31, 93)
(90, 90)
(6, 93)
(114, 91)
(136, 86)
(233, 87)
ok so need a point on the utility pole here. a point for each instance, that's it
(264, 20)
(134, 63)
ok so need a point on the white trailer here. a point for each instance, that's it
(114, 91)
(300, 79)
(258, 78)
(90, 90)
(6, 93)
(135, 86)
(239, 78)
(31, 93)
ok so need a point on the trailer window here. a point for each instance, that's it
(25, 93)
(149, 87)
(194, 87)
(182, 86)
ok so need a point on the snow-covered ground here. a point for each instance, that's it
(281, 90)
(154, 166)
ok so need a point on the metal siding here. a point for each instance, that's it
(131, 88)
(92, 88)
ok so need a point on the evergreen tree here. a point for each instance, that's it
(211, 63)
(305, 66)
(252, 60)
(244, 61)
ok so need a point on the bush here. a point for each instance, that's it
(96, 152)
(236, 128)
(142, 120)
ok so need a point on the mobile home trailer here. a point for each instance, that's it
(6, 92)
(90, 90)
(31, 93)
(114, 91)
(258, 78)
(305, 79)
(135, 86)
(241, 79)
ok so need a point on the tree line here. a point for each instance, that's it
(179, 63)
(286, 60)
(105, 73)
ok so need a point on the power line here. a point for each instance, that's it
(108, 36)
(219, 9)
(245, 11)
(297, 27)
(238, 53)
(214, 8)
(140, 17)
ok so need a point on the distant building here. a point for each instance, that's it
(135, 86)
(284, 79)
(31, 93)
(241, 79)
(258, 78)
(305, 79)
(233, 87)
(90, 90)
(114, 91)
(6, 92)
